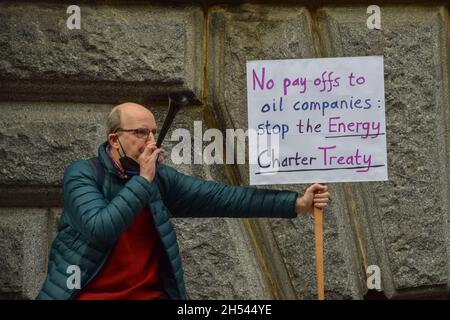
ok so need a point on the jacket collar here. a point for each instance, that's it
(106, 160)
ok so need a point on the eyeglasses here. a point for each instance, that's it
(141, 133)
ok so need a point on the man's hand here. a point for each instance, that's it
(315, 196)
(147, 161)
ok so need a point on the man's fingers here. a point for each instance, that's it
(151, 147)
(155, 154)
(148, 149)
(317, 187)
(321, 195)
(161, 158)
(320, 205)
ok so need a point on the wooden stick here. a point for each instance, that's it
(318, 233)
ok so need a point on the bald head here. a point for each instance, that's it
(128, 114)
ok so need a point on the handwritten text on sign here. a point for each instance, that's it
(324, 120)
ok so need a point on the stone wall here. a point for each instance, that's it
(57, 86)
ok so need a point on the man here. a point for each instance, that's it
(118, 232)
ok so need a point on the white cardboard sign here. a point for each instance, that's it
(316, 120)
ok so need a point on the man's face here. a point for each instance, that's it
(134, 142)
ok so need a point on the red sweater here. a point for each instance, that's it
(131, 271)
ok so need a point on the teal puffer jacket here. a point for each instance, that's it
(92, 220)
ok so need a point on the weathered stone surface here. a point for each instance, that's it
(122, 51)
(23, 247)
(38, 141)
(218, 259)
(54, 218)
(405, 219)
(254, 32)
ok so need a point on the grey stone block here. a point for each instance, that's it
(218, 259)
(405, 220)
(23, 243)
(38, 141)
(258, 32)
(54, 218)
(122, 52)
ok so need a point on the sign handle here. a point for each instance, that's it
(318, 233)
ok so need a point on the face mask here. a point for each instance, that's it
(130, 166)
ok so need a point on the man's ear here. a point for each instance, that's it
(113, 141)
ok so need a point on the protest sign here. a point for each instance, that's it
(325, 120)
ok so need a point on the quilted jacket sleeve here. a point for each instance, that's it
(191, 197)
(91, 214)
